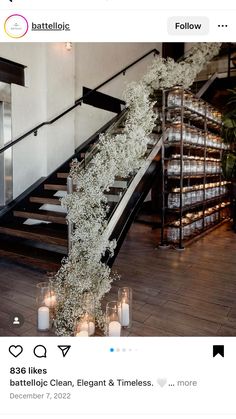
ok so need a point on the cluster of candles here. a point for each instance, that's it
(193, 222)
(177, 97)
(85, 326)
(118, 315)
(193, 165)
(46, 301)
(192, 135)
(193, 194)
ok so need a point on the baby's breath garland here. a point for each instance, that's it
(118, 155)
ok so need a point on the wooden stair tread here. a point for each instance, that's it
(55, 187)
(51, 216)
(45, 200)
(127, 178)
(62, 175)
(39, 233)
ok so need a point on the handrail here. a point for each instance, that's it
(78, 102)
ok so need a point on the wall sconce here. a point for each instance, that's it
(68, 46)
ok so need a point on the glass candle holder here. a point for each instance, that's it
(85, 325)
(82, 328)
(113, 326)
(125, 306)
(46, 305)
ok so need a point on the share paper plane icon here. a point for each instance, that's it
(64, 349)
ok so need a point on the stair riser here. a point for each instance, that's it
(35, 237)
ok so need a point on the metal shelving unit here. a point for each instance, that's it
(194, 196)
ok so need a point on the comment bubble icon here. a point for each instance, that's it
(40, 351)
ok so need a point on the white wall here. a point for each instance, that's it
(96, 62)
(54, 79)
(60, 96)
(49, 89)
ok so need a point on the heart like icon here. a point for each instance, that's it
(162, 382)
(15, 350)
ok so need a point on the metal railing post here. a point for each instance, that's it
(70, 224)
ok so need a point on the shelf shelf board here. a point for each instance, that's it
(194, 176)
(192, 114)
(197, 204)
(193, 146)
(198, 218)
(201, 233)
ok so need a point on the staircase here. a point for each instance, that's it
(214, 87)
(34, 230)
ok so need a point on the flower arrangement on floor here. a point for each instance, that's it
(83, 272)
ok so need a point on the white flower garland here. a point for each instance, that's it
(118, 155)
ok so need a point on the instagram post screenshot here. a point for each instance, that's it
(117, 210)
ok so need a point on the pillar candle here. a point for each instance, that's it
(87, 327)
(114, 328)
(83, 333)
(43, 318)
(83, 326)
(91, 328)
(123, 313)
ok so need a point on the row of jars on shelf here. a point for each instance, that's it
(194, 136)
(201, 186)
(195, 196)
(177, 96)
(193, 165)
(192, 223)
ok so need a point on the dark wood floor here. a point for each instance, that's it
(190, 293)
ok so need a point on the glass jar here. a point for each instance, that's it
(186, 231)
(174, 98)
(173, 167)
(125, 306)
(198, 164)
(187, 101)
(199, 224)
(176, 133)
(187, 199)
(173, 200)
(85, 323)
(46, 306)
(193, 228)
(81, 328)
(188, 135)
(113, 325)
(186, 166)
(173, 234)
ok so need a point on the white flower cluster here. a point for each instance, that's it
(118, 155)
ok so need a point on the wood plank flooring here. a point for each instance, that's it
(189, 293)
